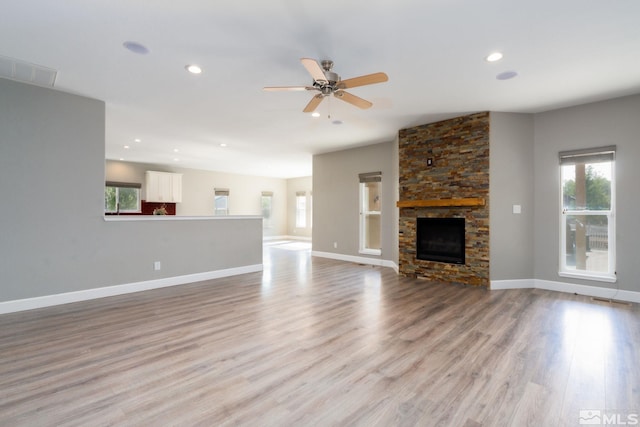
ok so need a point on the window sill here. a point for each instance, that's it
(586, 276)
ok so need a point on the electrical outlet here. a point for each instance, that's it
(156, 265)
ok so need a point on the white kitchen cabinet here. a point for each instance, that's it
(163, 187)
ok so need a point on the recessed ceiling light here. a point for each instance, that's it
(175, 150)
(493, 57)
(126, 147)
(121, 159)
(176, 160)
(193, 69)
(136, 47)
(223, 145)
(315, 114)
(506, 75)
(137, 140)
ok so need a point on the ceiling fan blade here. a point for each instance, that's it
(314, 69)
(369, 79)
(352, 99)
(313, 104)
(287, 88)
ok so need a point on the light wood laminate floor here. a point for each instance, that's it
(312, 341)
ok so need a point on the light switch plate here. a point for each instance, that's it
(517, 209)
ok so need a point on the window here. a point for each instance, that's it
(267, 206)
(310, 209)
(301, 209)
(122, 197)
(221, 201)
(370, 225)
(587, 221)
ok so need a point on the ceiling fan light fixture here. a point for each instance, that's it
(315, 114)
(327, 83)
(193, 69)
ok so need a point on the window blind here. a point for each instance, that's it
(123, 184)
(221, 191)
(589, 155)
(370, 177)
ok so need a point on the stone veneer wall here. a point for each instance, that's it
(459, 149)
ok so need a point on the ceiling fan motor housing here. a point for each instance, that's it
(329, 86)
(332, 77)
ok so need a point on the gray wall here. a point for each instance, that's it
(336, 199)
(511, 183)
(613, 122)
(53, 236)
(395, 225)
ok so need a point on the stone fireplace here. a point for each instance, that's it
(444, 173)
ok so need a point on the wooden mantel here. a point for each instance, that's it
(438, 203)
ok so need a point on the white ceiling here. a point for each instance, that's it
(565, 52)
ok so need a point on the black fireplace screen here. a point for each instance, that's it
(440, 239)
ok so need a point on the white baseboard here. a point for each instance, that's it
(108, 291)
(572, 288)
(270, 238)
(357, 259)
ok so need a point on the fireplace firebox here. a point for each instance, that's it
(440, 239)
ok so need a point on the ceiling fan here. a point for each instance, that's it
(327, 82)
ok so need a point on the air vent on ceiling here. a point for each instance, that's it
(16, 69)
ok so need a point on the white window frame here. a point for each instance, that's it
(266, 218)
(121, 185)
(583, 156)
(301, 209)
(221, 194)
(310, 209)
(366, 213)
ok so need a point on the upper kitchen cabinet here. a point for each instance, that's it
(163, 187)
